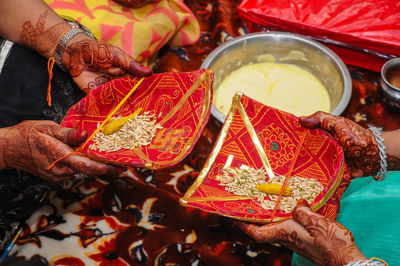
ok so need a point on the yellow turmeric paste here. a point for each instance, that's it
(283, 86)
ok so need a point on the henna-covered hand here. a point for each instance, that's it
(359, 144)
(135, 3)
(36, 37)
(323, 241)
(32, 146)
(92, 63)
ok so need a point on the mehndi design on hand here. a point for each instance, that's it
(321, 240)
(39, 39)
(95, 61)
(358, 143)
(32, 146)
(91, 55)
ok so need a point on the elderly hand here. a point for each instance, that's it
(323, 241)
(92, 63)
(359, 144)
(32, 146)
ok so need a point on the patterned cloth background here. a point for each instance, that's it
(139, 32)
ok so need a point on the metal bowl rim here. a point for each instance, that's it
(345, 74)
(389, 64)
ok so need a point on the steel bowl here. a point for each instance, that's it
(321, 61)
(389, 90)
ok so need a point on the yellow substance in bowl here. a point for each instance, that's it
(282, 86)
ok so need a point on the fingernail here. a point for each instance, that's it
(76, 137)
(81, 134)
(303, 202)
(145, 68)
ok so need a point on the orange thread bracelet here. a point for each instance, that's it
(61, 43)
(370, 262)
(378, 259)
(50, 64)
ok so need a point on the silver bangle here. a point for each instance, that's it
(62, 44)
(365, 262)
(382, 153)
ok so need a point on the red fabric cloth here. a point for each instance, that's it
(362, 24)
(180, 101)
(292, 150)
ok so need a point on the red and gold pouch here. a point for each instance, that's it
(181, 101)
(259, 136)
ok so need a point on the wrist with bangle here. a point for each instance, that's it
(370, 262)
(61, 44)
(381, 175)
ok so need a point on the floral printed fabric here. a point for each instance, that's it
(138, 32)
(21, 193)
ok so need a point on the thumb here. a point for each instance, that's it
(76, 137)
(129, 64)
(303, 214)
(314, 120)
(268, 232)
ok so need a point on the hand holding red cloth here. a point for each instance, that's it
(324, 241)
(32, 146)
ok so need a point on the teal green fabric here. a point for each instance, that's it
(371, 211)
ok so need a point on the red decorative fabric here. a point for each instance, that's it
(291, 150)
(362, 24)
(181, 101)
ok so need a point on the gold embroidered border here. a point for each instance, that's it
(236, 105)
(330, 192)
(206, 107)
(184, 98)
(256, 141)
(215, 151)
(278, 219)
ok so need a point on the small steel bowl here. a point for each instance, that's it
(389, 83)
(322, 62)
